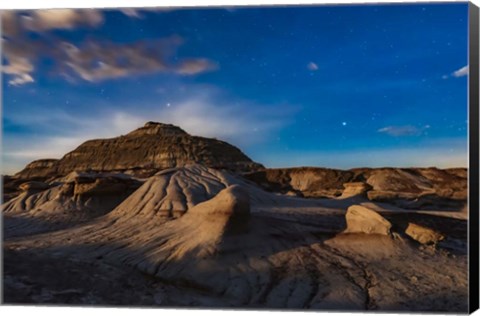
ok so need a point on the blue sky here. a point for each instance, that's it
(332, 86)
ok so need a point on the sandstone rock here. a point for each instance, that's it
(396, 186)
(230, 208)
(174, 192)
(363, 220)
(398, 180)
(42, 168)
(171, 192)
(246, 259)
(423, 234)
(355, 189)
(66, 203)
(231, 201)
(310, 182)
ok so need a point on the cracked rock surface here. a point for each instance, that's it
(197, 236)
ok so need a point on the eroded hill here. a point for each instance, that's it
(133, 221)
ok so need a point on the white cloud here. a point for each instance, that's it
(461, 72)
(137, 12)
(97, 61)
(44, 20)
(406, 130)
(131, 12)
(195, 66)
(312, 66)
(21, 79)
(16, 23)
(21, 52)
(91, 60)
(20, 68)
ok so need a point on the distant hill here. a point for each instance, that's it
(143, 152)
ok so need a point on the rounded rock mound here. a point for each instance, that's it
(364, 220)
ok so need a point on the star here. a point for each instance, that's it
(344, 123)
(168, 105)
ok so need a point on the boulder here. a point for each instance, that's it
(364, 220)
(423, 234)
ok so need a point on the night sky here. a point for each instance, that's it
(332, 86)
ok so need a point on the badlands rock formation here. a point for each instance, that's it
(311, 182)
(206, 237)
(143, 152)
(409, 188)
(43, 168)
(67, 201)
(355, 189)
(157, 229)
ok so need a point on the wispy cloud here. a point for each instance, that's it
(44, 20)
(16, 23)
(203, 114)
(138, 12)
(195, 66)
(406, 130)
(98, 61)
(312, 66)
(458, 73)
(461, 72)
(21, 51)
(20, 68)
(131, 12)
(93, 60)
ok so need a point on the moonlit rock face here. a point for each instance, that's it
(363, 220)
(66, 202)
(173, 192)
(423, 235)
(408, 188)
(143, 152)
(154, 128)
(231, 201)
(39, 168)
(355, 189)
